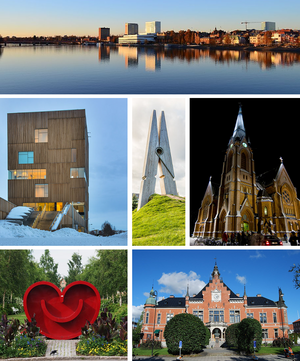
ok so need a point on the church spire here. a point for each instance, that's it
(239, 130)
(215, 271)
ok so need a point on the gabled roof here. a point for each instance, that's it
(267, 178)
(200, 294)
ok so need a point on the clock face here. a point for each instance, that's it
(216, 297)
(245, 145)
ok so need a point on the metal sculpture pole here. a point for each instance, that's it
(157, 156)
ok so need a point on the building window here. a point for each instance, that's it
(263, 318)
(234, 316)
(265, 333)
(274, 317)
(199, 314)
(169, 316)
(244, 161)
(41, 190)
(27, 174)
(216, 316)
(77, 173)
(276, 332)
(158, 319)
(250, 315)
(286, 196)
(147, 317)
(73, 155)
(41, 136)
(26, 157)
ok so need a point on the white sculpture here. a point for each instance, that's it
(157, 154)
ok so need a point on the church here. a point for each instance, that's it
(243, 201)
(218, 307)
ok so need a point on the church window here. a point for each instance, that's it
(266, 211)
(229, 162)
(244, 161)
(286, 196)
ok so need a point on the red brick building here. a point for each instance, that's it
(218, 307)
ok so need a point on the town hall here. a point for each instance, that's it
(243, 201)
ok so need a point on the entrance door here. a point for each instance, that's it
(245, 226)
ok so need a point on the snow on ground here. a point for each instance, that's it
(15, 235)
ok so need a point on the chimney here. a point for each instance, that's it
(259, 295)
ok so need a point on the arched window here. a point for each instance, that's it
(229, 162)
(266, 211)
(244, 161)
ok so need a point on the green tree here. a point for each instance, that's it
(134, 202)
(50, 268)
(296, 271)
(231, 334)
(186, 328)
(75, 268)
(249, 330)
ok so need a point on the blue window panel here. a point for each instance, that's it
(26, 157)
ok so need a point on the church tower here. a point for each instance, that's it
(236, 208)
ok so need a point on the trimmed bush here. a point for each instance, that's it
(282, 342)
(231, 334)
(186, 328)
(248, 330)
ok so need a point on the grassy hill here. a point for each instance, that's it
(161, 222)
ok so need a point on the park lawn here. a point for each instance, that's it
(148, 352)
(19, 316)
(267, 350)
(161, 222)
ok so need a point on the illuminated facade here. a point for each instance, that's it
(48, 160)
(218, 307)
(243, 201)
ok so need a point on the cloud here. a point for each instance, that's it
(241, 279)
(257, 255)
(176, 283)
(136, 312)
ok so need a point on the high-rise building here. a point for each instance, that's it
(48, 161)
(153, 27)
(104, 33)
(268, 25)
(131, 29)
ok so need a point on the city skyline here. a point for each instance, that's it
(71, 18)
(261, 271)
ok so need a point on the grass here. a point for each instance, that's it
(19, 316)
(161, 222)
(148, 352)
(267, 350)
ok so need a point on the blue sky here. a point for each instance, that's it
(169, 271)
(60, 17)
(107, 127)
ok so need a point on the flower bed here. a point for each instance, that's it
(97, 346)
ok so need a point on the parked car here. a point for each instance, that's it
(270, 240)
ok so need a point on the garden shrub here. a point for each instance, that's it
(248, 330)
(186, 328)
(148, 344)
(231, 334)
(282, 342)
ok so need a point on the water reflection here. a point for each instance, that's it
(154, 56)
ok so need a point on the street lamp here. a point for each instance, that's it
(154, 293)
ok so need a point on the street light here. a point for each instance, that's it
(155, 296)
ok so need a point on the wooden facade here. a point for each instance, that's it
(66, 147)
(5, 208)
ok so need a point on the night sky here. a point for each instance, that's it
(271, 124)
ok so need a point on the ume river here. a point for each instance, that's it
(146, 70)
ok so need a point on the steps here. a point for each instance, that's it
(46, 221)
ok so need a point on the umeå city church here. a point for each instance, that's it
(218, 307)
(242, 201)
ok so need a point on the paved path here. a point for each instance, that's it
(65, 348)
(215, 358)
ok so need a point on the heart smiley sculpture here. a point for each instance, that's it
(60, 315)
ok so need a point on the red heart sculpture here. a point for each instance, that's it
(60, 315)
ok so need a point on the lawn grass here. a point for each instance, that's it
(267, 350)
(19, 316)
(161, 222)
(148, 352)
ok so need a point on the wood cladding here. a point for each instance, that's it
(67, 130)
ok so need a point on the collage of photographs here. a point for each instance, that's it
(149, 205)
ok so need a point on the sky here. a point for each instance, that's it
(169, 272)
(107, 127)
(142, 110)
(28, 18)
(270, 124)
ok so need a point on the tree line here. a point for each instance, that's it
(107, 271)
